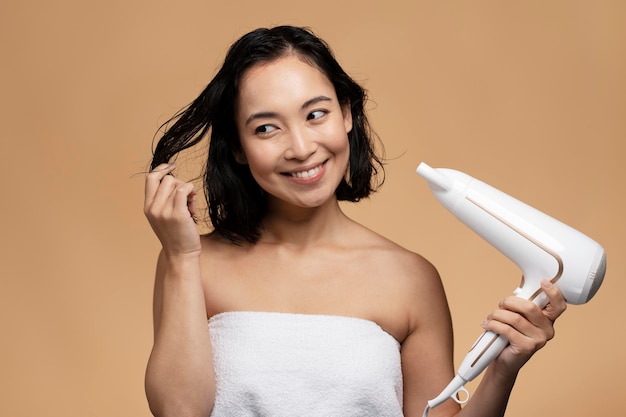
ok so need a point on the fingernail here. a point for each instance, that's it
(483, 324)
(546, 284)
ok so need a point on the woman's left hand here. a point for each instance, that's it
(527, 327)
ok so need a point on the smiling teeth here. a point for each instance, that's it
(306, 174)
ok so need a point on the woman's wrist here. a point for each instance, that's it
(501, 375)
(182, 264)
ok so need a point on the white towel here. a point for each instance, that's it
(298, 365)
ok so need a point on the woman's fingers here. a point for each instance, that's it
(167, 195)
(185, 198)
(169, 207)
(526, 321)
(557, 305)
(525, 325)
(153, 181)
(537, 317)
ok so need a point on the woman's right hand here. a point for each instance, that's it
(169, 206)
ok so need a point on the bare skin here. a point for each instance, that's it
(311, 259)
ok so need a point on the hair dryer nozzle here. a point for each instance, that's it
(434, 177)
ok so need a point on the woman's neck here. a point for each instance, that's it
(302, 227)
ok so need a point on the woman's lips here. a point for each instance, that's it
(306, 173)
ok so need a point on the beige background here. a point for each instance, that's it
(527, 96)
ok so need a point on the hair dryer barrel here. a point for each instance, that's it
(541, 246)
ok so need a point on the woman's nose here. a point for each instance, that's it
(301, 145)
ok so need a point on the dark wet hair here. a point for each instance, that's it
(236, 203)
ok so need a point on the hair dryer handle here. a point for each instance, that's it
(536, 295)
(484, 351)
(488, 346)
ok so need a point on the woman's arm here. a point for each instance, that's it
(180, 378)
(528, 328)
(427, 351)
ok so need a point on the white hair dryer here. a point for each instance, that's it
(542, 247)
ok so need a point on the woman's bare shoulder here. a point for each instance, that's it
(392, 254)
(407, 285)
(408, 274)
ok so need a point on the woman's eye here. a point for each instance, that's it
(264, 129)
(316, 114)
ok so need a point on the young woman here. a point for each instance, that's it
(309, 313)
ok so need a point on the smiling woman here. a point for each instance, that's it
(235, 200)
(293, 132)
(289, 307)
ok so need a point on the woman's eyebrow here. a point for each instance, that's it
(269, 114)
(260, 115)
(315, 100)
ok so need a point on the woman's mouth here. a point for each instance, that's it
(306, 173)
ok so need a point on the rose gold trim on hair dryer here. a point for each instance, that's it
(552, 253)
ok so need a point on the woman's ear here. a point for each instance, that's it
(347, 116)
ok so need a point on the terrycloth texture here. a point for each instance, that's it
(300, 365)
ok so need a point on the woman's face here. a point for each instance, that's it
(293, 132)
